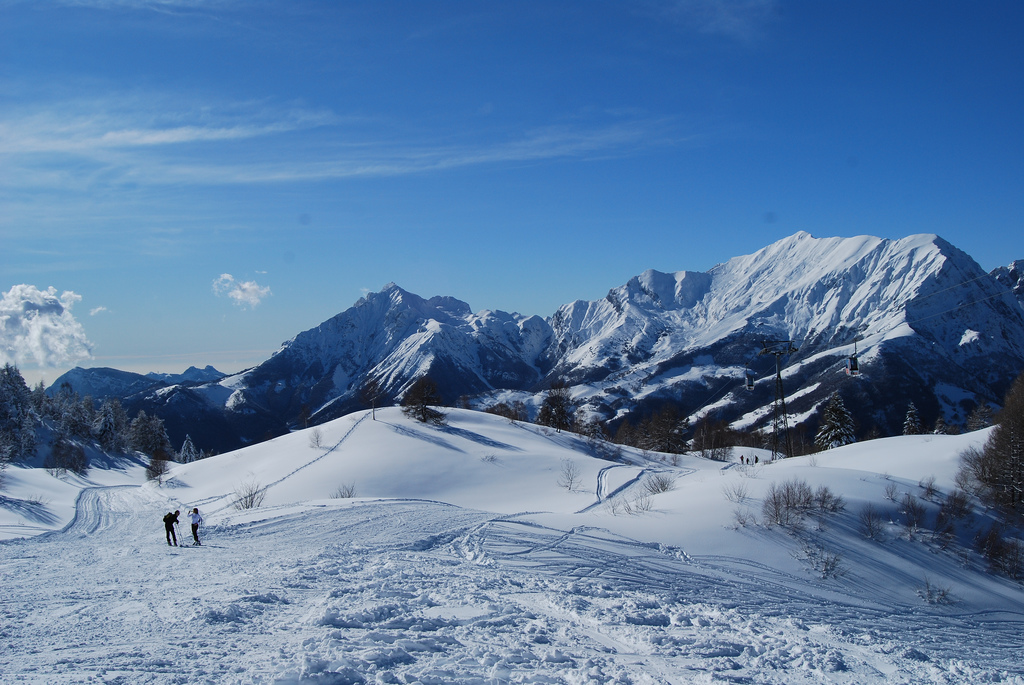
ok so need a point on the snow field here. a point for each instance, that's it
(461, 559)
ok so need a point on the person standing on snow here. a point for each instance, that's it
(196, 519)
(169, 521)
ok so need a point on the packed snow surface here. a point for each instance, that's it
(465, 557)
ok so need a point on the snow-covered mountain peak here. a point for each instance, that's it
(921, 313)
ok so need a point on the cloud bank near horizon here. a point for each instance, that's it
(37, 326)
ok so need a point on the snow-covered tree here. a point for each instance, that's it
(836, 427)
(912, 422)
(17, 418)
(110, 426)
(188, 453)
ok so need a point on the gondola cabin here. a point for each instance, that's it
(749, 384)
(852, 366)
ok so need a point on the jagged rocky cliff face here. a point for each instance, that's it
(929, 325)
(1012, 277)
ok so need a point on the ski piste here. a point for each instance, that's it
(463, 560)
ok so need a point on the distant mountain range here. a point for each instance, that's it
(101, 383)
(927, 323)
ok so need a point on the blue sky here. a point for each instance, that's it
(187, 182)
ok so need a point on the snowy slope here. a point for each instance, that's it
(462, 560)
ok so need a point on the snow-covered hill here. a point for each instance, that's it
(463, 557)
(929, 326)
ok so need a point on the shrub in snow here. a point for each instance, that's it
(735, 493)
(934, 594)
(871, 522)
(658, 483)
(249, 495)
(913, 513)
(785, 503)
(345, 491)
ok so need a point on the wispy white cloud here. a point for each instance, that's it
(36, 326)
(79, 145)
(97, 310)
(84, 127)
(742, 20)
(242, 293)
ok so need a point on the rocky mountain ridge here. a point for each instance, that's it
(928, 324)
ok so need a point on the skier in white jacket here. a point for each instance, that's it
(196, 519)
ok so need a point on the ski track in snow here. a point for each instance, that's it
(404, 591)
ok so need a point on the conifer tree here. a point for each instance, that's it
(998, 468)
(188, 453)
(420, 400)
(836, 425)
(912, 422)
(17, 418)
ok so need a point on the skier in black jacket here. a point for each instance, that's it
(169, 521)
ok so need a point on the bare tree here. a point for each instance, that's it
(371, 392)
(569, 477)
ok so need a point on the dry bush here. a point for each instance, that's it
(249, 495)
(928, 485)
(827, 501)
(743, 517)
(871, 522)
(735, 492)
(934, 594)
(957, 505)
(785, 504)
(658, 483)
(345, 491)
(913, 513)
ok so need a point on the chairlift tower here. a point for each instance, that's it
(781, 442)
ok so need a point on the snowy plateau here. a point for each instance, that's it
(920, 314)
(489, 551)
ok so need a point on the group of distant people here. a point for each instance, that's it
(746, 460)
(171, 520)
